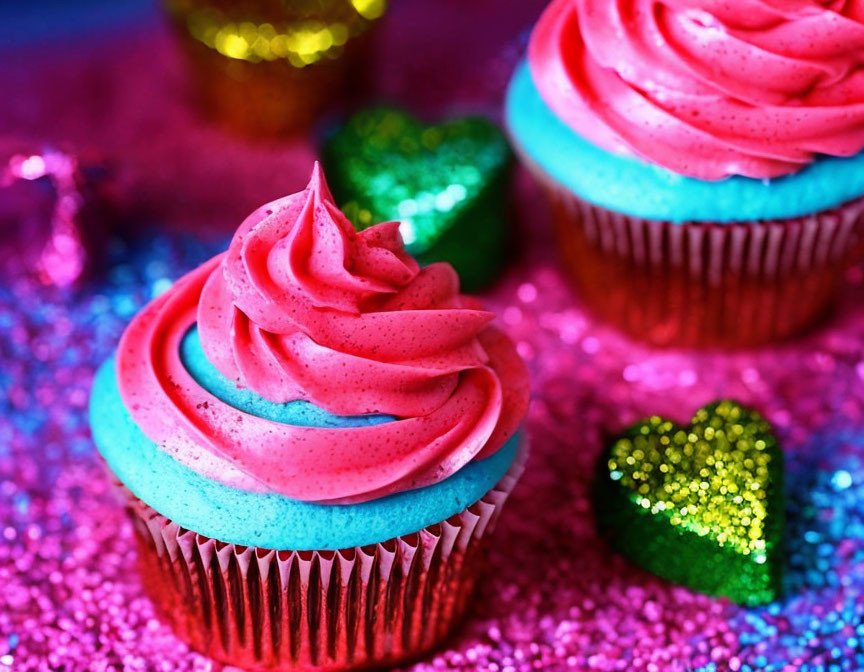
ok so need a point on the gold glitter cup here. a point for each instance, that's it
(271, 67)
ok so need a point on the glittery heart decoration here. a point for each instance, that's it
(700, 505)
(445, 184)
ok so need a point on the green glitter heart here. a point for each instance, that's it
(445, 183)
(701, 505)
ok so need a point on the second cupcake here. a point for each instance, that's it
(313, 437)
(703, 159)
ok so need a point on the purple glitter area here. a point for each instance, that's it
(555, 597)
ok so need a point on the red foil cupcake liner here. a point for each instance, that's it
(264, 609)
(706, 284)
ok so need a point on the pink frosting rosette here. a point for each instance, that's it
(707, 88)
(303, 307)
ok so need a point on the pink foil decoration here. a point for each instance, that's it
(63, 257)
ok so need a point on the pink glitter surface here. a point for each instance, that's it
(555, 597)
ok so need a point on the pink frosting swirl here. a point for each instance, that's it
(707, 88)
(302, 307)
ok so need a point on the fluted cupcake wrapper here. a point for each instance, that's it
(267, 609)
(705, 284)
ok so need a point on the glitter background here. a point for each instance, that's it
(555, 597)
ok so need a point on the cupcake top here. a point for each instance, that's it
(315, 365)
(707, 110)
(707, 88)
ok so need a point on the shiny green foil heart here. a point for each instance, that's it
(702, 505)
(446, 185)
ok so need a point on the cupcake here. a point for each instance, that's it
(703, 159)
(313, 437)
(268, 67)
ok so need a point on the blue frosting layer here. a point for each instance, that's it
(270, 520)
(300, 413)
(640, 189)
